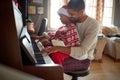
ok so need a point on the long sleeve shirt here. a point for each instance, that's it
(87, 32)
(67, 34)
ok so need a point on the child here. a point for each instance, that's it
(66, 33)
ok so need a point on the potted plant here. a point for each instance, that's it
(30, 26)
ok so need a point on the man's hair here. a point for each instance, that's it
(76, 5)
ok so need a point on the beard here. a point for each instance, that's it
(74, 20)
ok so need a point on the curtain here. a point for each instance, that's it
(95, 9)
(65, 2)
(100, 11)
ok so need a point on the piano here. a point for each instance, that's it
(16, 48)
(36, 62)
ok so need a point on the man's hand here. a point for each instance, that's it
(56, 49)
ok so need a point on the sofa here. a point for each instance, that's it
(112, 48)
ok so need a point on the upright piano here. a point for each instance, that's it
(16, 48)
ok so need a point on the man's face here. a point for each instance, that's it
(74, 15)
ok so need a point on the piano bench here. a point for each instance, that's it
(79, 73)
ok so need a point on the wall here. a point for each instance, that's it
(117, 14)
(36, 18)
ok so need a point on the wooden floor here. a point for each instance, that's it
(108, 70)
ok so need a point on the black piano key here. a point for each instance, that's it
(40, 59)
(35, 47)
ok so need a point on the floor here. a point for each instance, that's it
(108, 70)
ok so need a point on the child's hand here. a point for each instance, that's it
(34, 37)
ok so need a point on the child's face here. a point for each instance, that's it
(64, 19)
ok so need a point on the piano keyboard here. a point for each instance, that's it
(41, 58)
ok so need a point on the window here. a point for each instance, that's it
(108, 12)
(54, 17)
(90, 10)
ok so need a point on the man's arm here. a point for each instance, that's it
(88, 42)
(65, 50)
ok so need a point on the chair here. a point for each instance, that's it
(42, 26)
(101, 43)
(79, 73)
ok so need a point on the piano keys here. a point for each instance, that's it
(37, 47)
(31, 49)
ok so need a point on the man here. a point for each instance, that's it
(88, 29)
